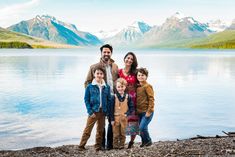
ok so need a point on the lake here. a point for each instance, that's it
(42, 90)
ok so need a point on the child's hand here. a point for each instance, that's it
(113, 122)
(147, 114)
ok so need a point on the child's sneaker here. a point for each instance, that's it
(130, 145)
(81, 148)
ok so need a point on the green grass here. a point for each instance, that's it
(43, 46)
(14, 44)
(219, 45)
(221, 40)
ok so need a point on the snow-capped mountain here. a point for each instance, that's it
(106, 34)
(129, 34)
(141, 26)
(180, 21)
(232, 26)
(217, 25)
(49, 28)
(178, 15)
(175, 29)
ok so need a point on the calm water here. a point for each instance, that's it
(41, 94)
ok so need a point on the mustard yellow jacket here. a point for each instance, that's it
(145, 98)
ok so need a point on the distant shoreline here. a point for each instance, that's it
(25, 45)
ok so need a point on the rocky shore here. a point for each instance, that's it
(215, 147)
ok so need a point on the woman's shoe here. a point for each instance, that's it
(130, 145)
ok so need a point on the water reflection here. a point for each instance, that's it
(41, 96)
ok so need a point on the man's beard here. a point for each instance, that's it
(106, 58)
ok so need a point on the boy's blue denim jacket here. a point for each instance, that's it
(92, 98)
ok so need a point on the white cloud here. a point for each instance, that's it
(12, 13)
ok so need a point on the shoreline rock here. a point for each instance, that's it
(216, 147)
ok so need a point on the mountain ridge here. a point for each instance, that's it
(49, 28)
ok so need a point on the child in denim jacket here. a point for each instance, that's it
(97, 99)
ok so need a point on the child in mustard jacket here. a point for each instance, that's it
(145, 105)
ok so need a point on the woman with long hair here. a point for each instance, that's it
(129, 74)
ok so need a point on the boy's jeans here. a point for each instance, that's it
(144, 122)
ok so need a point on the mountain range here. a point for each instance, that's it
(177, 31)
(49, 28)
(174, 32)
(129, 35)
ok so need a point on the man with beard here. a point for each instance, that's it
(111, 76)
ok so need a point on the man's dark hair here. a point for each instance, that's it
(106, 46)
(143, 71)
(99, 67)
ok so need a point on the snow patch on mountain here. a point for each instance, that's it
(102, 34)
(129, 34)
(217, 25)
(178, 15)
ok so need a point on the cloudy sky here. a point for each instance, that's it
(95, 15)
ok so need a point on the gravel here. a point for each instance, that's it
(216, 147)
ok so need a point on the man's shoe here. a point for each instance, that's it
(81, 148)
(130, 144)
(142, 145)
(109, 148)
(149, 143)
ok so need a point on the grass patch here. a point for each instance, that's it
(219, 45)
(15, 44)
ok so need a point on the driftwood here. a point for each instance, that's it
(231, 134)
(227, 134)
